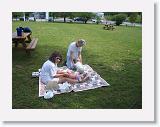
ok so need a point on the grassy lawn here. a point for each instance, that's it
(115, 55)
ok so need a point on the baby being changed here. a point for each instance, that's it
(73, 75)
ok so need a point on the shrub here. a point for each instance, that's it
(119, 18)
(133, 17)
(139, 19)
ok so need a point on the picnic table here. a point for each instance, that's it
(108, 27)
(27, 42)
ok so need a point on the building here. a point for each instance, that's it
(100, 14)
(40, 16)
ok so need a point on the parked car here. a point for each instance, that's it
(15, 19)
(69, 20)
(50, 19)
(21, 18)
(78, 19)
(94, 20)
(102, 21)
(31, 18)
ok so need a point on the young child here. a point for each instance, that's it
(79, 67)
(73, 75)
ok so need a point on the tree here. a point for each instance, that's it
(133, 17)
(110, 13)
(27, 14)
(17, 14)
(139, 19)
(84, 15)
(53, 14)
(98, 19)
(64, 15)
(119, 18)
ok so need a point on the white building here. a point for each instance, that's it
(100, 14)
(40, 16)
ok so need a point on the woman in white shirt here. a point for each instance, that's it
(74, 53)
(49, 75)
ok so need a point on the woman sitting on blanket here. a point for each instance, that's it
(51, 75)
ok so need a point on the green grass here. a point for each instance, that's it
(115, 55)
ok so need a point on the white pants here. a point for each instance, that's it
(53, 84)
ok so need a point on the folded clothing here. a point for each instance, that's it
(55, 88)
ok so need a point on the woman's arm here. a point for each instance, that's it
(79, 57)
(61, 74)
(58, 75)
(72, 57)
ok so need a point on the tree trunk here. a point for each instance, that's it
(64, 19)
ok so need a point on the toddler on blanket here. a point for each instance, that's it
(73, 75)
(78, 75)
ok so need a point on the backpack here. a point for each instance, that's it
(27, 30)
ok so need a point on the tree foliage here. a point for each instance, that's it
(139, 19)
(17, 14)
(130, 16)
(53, 15)
(119, 18)
(133, 17)
(64, 15)
(98, 19)
(84, 15)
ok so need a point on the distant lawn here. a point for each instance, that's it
(115, 55)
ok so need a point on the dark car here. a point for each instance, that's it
(21, 18)
(78, 19)
(50, 19)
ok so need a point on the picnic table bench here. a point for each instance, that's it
(27, 42)
(109, 27)
(32, 45)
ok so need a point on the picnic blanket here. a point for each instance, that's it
(95, 81)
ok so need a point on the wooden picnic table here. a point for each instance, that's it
(109, 27)
(24, 39)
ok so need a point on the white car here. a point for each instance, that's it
(31, 18)
(16, 19)
(94, 20)
(101, 21)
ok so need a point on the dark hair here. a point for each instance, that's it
(54, 55)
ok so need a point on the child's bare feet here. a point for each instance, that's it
(85, 78)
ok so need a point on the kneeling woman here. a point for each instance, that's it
(49, 75)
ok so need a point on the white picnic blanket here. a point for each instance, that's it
(95, 81)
